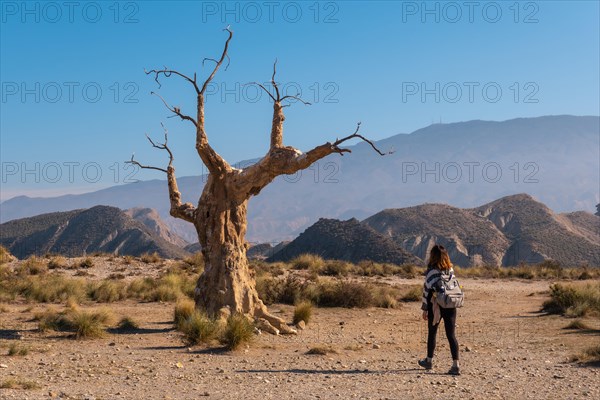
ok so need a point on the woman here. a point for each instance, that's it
(439, 267)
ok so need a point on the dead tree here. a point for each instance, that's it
(227, 284)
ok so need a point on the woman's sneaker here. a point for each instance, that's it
(426, 364)
(453, 371)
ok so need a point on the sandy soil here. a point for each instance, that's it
(508, 350)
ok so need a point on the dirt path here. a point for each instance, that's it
(507, 351)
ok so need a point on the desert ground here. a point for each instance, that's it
(509, 350)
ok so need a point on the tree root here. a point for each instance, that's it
(270, 323)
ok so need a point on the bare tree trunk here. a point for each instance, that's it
(227, 284)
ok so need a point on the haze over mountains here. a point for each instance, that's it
(553, 158)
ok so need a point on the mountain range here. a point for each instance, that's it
(80, 232)
(553, 158)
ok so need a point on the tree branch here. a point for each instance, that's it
(185, 211)
(176, 110)
(219, 62)
(167, 73)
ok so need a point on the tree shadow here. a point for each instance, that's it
(311, 371)
(589, 331)
(140, 331)
(13, 334)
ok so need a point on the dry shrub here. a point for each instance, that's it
(107, 291)
(5, 256)
(53, 288)
(194, 263)
(183, 311)
(413, 293)
(303, 312)
(153, 258)
(57, 262)
(199, 328)
(386, 297)
(346, 294)
(127, 259)
(574, 300)
(128, 324)
(308, 261)
(18, 384)
(84, 324)
(591, 356)
(169, 287)
(335, 268)
(86, 263)
(577, 324)
(238, 331)
(32, 266)
(322, 350)
(16, 349)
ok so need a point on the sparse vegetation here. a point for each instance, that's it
(183, 311)
(5, 255)
(413, 293)
(86, 263)
(153, 258)
(308, 261)
(238, 331)
(57, 262)
(84, 324)
(574, 300)
(18, 384)
(591, 355)
(32, 266)
(303, 312)
(128, 324)
(107, 291)
(199, 328)
(577, 324)
(16, 349)
(321, 350)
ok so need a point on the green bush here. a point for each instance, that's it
(199, 328)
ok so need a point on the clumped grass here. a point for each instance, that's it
(89, 325)
(346, 294)
(32, 266)
(16, 349)
(52, 288)
(153, 258)
(107, 291)
(169, 287)
(5, 255)
(199, 328)
(303, 312)
(194, 263)
(574, 300)
(18, 384)
(128, 324)
(238, 331)
(184, 309)
(386, 297)
(57, 262)
(127, 259)
(321, 350)
(413, 293)
(308, 261)
(52, 320)
(577, 324)
(591, 355)
(84, 324)
(335, 268)
(86, 263)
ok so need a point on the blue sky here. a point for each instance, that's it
(76, 102)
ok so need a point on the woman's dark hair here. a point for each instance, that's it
(438, 258)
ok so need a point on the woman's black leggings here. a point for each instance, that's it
(449, 317)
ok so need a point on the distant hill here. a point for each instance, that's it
(469, 238)
(150, 218)
(536, 233)
(508, 231)
(80, 232)
(465, 164)
(345, 240)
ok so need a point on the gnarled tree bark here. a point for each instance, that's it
(227, 284)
